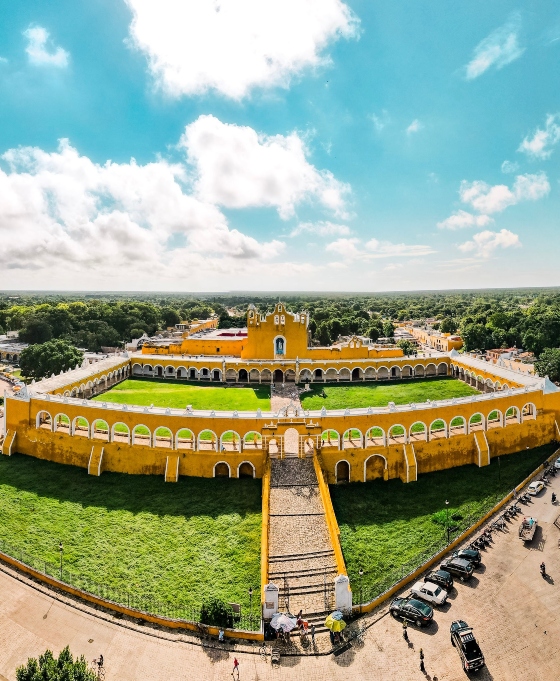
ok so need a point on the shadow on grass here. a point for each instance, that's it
(189, 497)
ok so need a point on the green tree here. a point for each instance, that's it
(548, 364)
(52, 357)
(49, 668)
(37, 330)
(408, 348)
(170, 316)
(448, 325)
(216, 613)
(323, 334)
(388, 329)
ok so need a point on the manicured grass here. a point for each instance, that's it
(181, 542)
(175, 394)
(379, 395)
(387, 525)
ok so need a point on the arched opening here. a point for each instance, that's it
(278, 376)
(231, 376)
(80, 426)
(266, 376)
(330, 438)
(246, 470)
(252, 440)
(181, 372)
(352, 439)
(230, 441)
(397, 434)
(382, 374)
(305, 376)
(458, 426)
(342, 472)
(273, 447)
(61, 424)
(357, 374)
(222, 470)
(136, 370)
(406, 371)
(291, 442)
(148, 370)
(331, 375)
(438, 429)
(169, 372)
(476, 422)
(120, 432)
(442, 369)
(419, 371)
(216, 375)
(204, 374)
(141, 435)
(375, 437)
(254, 376)
(374, 467)
(207, 441)
(290, 376)
(370, 374)
(318, 374)
(529, 412)
(243, 376)
(344, 374)
(494, 419)
(163, 437)
(513, 415)
(418, 432)
(279, 346)
(192, 373)
(395, 372)
(100, 430)
(184, 439)
(430, 370)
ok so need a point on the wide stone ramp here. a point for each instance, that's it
(301, 559)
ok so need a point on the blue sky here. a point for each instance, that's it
(294, 145)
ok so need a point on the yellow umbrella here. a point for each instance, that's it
(334, 625)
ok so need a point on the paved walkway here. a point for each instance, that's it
(284, 395)
(514, 611)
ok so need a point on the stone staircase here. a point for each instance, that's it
(301, 559)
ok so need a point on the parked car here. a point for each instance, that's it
(557, 463)
(413, 610)
(535, 487)
(441, 578)
(463, 639)
(458, 566)
(472, 555)
(432, 593)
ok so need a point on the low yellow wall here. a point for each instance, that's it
(264, 526)
(332, 523)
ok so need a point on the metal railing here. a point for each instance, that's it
(176, 610)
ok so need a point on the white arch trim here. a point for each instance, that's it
(241, 464)
(371, 457)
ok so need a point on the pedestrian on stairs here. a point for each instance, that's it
(405, 630)
(313, 634)
(422, 668)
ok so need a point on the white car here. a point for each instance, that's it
(432, 593)
(535, 487)
(557, 463)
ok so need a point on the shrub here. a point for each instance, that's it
(215, 612)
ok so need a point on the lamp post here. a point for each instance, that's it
(361, 573)
(61, 549)
(447, 518)
(251, 605)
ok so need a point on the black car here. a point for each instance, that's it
(441, 578)
(413, 610)
(472, 555)
(463, 639)
(459, 567)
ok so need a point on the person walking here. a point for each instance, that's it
(422, 668)
(313, 634)
(405, 630)
(235, 667)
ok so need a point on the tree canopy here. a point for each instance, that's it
(42, 360)
(50, 668)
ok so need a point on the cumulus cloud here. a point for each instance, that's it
(41, 51)
(117, 219)
(321, 228)
(236, 167)
(355, 249)
(510, 167)
(233, 47)
(543, 140)
(485, 243)
(498, 49)
(462, 219)
(380, 121)
(494, 199)
(415, 126)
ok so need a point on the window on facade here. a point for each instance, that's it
(282, 319)
(276, 319)
(217, 349)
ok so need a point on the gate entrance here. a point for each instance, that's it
(291, 442)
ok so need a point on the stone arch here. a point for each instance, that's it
(120, 432)
(182, 372)
(331, 375)
(396, 433)
(100, 430)
(245, 470)
(169, 371)
(512, 415)
(476, 422)
(495, 419)
(252, 440)
(352, 438)
(222, 470)
(231, 375)
(407, 371)
(204, 374)
(290, 376)
(489, 386)
(318, 375)
(61, 424)
(163, 437)
(141, 435)
(419, 371)
(80, 426)
(266, 376)
(357, 374)
(74, 392)
(438, 429)
(458, 426)
(230, 441)
(382, 373)
(158, 370)
(207, 441)
(430, 369)
(375, 466)
(342, 471)
(254, 376)
(278, 376)
(216, 375)
(442, 369)
(418, 431)
(148, 370)
(344, 374)
(330, 438)
(193, 373)
(375, 437)
(529, 412)
(305, 376)
(291, 442)
(396, 372)
(369, 373)
(184, 439)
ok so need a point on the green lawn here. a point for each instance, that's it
(379, 395)
(182, 542)
(387, 528)
(175, 394)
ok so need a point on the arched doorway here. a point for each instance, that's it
(246, 470)
(291, 442)
(356, 374)
(342, 472)
(243, 376)
(374, 467)
(278, 376)
(318, 374)
(216, 375)
(221, 470)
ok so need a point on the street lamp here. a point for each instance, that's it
(61, 549)
(361, 573)
(251, 605)
(447, 516)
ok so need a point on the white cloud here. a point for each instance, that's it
(355, 249)
(3, 60)
(485, 243)
(38, 50)
(233, 47)
(380, 121)
(415, 126)
(77, 218)
(462, 219)
(238, 168)
(498, 49)
(321, 228)
(541, 143)
(510, 167)
(494, 199)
